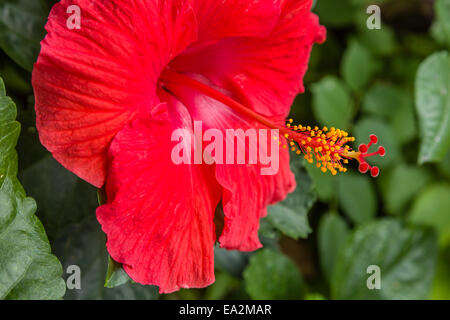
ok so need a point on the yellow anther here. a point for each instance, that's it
(326, 147)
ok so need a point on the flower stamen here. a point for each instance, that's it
(327, 147)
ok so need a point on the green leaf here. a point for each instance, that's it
(406, 258)
(115, 275)
(222, 286)
(404, 68)
(335, 13)
(15, 79)
(324, 184)
(28, 270)
(382, 99)
(438, 32)
(332, 103)
(357, 197)
(272, 276)
(433, 106)
(29, 148)
(231, 261)
(57, 190)
(89, 253)
(291, 215)
(441, 285)
(444, 166)
(314, 296)
(396, 106)
(267, 230)
(332, 235)
(404, 183)
(358, 66)
(21, 30)
(291, 223)
(403, 122)
(380, 42)
(432, 209)
(442, 8)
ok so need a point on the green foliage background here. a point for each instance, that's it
(318, 243)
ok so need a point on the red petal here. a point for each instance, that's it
(232, 18)
(246, 192)
(90, 82)
(266, 73)
(159, 216)
(245, 199)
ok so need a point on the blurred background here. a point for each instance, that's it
(334, 237)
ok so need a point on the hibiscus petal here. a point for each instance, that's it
(89, 82)
(159, 216)
(266, 73)
(246, 192)
(232, 18)
(245, 199)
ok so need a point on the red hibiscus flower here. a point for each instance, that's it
(110, 94)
